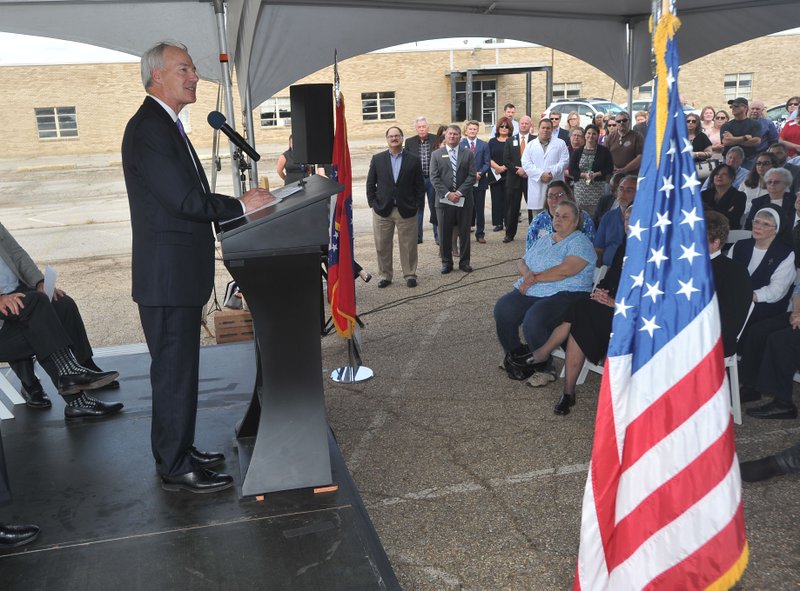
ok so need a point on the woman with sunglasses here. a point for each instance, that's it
(609, 127)
(701, 145)
(755, 185)
(713, 134)
(497, 182)
(792, 104)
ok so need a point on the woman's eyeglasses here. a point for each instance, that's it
(503, 127)
(793, 105)
(764, 163)
(721, 118)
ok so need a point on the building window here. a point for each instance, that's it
(484, 101)
(56, 122)
(566, 90)
(738, 85)
(646, 91)
(377, 105)
(276, 112)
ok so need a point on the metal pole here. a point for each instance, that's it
(528, 84)
(251, 136)
(629, 37)
(225, 68)
(469, 95)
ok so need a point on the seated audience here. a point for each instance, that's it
(611, 232)
(734, 159)
(555, 272)
(755, 185)
(608, 201)
(723, 198)
(779, 152)
(542, 224)
(778, 181)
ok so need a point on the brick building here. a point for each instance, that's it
(80, 109)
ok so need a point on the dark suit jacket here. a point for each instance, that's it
(483, 161)
(171, 212)
(564, 135)
(412, 145)
(442, 173)
(787, 212)
(512, 159)
(407, 194)
(731, 205)
(734, 296)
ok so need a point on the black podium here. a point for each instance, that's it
(273, 254)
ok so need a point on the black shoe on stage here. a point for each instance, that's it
(566, 402)
(86, 380)
(87, 407)
(774, 410)
(35, 397)
(12, 536)
(466, 267)
(205, 459)
(199, 481)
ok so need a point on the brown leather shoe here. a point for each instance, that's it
(481, 240)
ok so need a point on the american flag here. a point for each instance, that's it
(662, 507)
(341, 283)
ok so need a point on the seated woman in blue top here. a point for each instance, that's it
(555, 272)
(542, 224)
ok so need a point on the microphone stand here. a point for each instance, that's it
(244, 167)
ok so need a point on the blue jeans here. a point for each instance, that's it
(537, 316)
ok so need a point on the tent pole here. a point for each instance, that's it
(251, 136)
(629, 37)
(225, 67)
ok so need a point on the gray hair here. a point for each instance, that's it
(420, 119)
(153, 59)
(576, 211)
(785, 175)
(736, 149)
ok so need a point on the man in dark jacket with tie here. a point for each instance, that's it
(516, 177)
(395, 192)
(172, 211)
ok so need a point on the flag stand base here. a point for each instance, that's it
(353, 372)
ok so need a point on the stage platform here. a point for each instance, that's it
(107, 524)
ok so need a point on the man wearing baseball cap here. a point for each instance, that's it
(741, 131)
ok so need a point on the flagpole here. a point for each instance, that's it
(341, 286)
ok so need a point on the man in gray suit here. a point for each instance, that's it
(453, 175)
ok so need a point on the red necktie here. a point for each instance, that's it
(472, 146)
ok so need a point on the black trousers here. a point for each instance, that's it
(514, 195)
(37, 330)
(450, 216)
(5, 487)
(753, 347)
(173, 339)
(781, 360)
(70, 318)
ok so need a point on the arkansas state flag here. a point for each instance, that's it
(341, 282)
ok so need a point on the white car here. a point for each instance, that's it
(586, 108)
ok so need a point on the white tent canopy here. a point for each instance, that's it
(275, 43)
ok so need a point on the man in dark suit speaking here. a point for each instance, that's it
(395, 192)
(172, 210)
(453, 176)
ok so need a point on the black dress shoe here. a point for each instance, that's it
(201, 481)
(748, 394)
(497, 228)
(87, 407)
(446, 269)
(774, 410)
(114, 385)
(12, 536)
(35, 397)
(507, 239)
(566, 402)
(465, 267)
(411, 282)
(383, 283)
(85, 380)
(205, 459)
(762, 469)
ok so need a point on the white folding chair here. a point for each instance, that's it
(10, 392)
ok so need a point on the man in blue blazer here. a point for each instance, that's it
(172, 211)
(395, 192)
(483, 162)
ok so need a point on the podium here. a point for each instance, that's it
(274, 256)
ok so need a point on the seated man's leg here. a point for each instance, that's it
(509, 312)
(70, 317)
(37, 330)
(31, 389)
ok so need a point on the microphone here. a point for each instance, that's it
(217, 121)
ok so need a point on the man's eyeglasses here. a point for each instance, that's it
(622, 120)
(555, 118)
